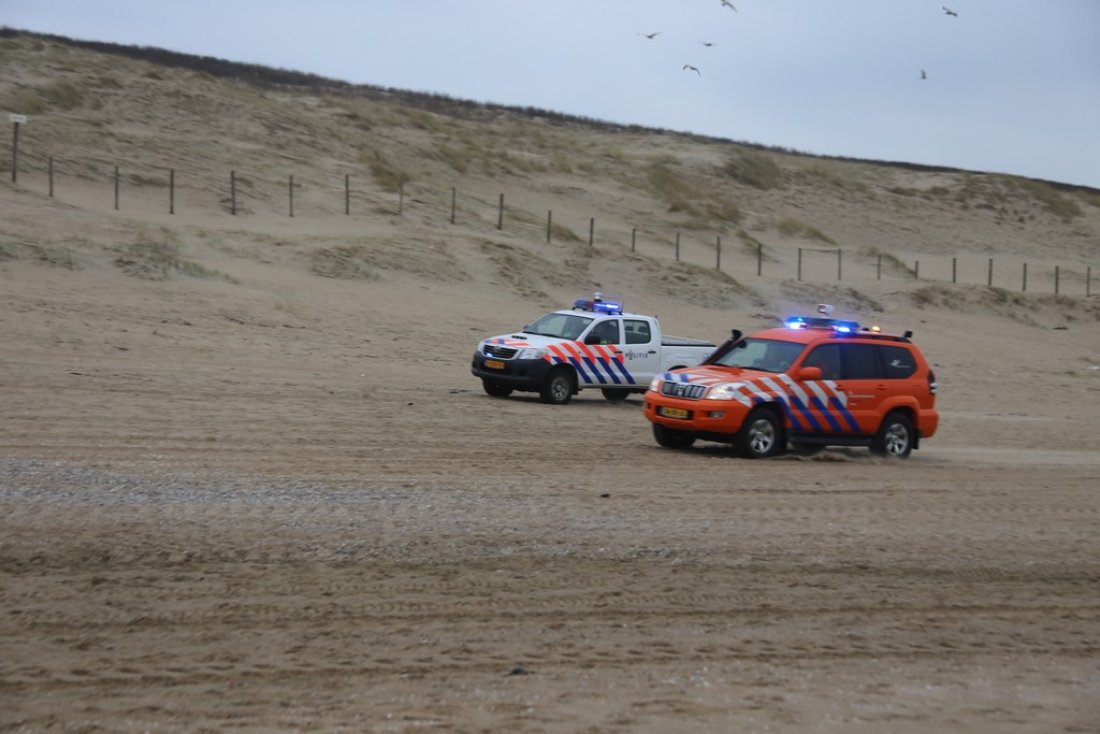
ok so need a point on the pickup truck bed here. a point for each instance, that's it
(683, 341)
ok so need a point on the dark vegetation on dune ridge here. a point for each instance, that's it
(430, 101)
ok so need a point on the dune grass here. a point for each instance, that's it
(160, 259)
(754, 169)
(792, 227)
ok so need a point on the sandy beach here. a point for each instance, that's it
(248, 483)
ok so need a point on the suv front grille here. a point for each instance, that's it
(683, 390)
(493, 350)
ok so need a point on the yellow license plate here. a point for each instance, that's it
(673, 412)
(494, 364)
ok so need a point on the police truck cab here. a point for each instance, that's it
(595, 344)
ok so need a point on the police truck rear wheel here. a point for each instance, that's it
(615, 394)
(496, 389)
(558, 388)
(894, 437)
(760, 435)
(671, 438)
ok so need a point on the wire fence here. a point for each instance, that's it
(355, 193)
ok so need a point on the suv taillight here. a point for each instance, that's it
(932, 384)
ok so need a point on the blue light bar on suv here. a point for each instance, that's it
(816, 322)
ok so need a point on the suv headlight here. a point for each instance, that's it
(655, 384)
(531, 353)
(725, 391)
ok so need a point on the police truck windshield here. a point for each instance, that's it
(767, 355)
(559, 325)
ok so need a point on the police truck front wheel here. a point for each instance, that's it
(496, 389)
(558, 388)
(760, 436)
(671, 438)
(894, 437)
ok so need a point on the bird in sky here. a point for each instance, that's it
(650, 36)
(728, 4)
(689, 67)
(708, 44)
(923, 74)
(949, 11)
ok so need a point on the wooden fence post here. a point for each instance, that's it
(916, 270)
(1056, 279)
(172, 191)
(51, 176)
(839, 255)
(454, 200)
(718, 253)
(233, 193)
(591, 231)
(799, 263)
(549, 224)
(1024, 287)
(989, 279)
(954, 270)
(1088, 281)
(401, 195)
(116, 188)
(347, 194)
(677, 245)
(290, 194)
(633, 238)
(879, 267)
(759, 257)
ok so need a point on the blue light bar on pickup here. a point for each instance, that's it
(598, 306)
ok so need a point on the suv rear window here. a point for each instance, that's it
(898, 362)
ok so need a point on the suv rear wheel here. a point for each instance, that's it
(670, 438)
(894, 437)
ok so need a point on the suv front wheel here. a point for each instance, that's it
(760, 436)
(894, 437)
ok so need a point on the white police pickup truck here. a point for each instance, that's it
(592, 345)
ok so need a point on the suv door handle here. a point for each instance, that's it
(652, 351)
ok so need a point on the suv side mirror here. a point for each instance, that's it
(592, 339)
(809, 373)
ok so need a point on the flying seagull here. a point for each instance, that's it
(728, 4)
(708, 44)
(689, 67)
(923, 74)
(947, 10)
(650, 36)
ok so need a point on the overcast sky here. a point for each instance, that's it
(1013, 86)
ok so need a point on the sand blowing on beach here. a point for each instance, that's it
(247, 480)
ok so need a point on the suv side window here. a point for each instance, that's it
(898, 362)
(827, 357)
(637, 331)
(861, 362)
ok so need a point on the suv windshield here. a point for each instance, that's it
(560, 325)
(767, 355)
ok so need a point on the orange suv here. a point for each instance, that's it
(812, 383)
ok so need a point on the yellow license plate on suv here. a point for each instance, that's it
(673, 412)
(494, 364)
